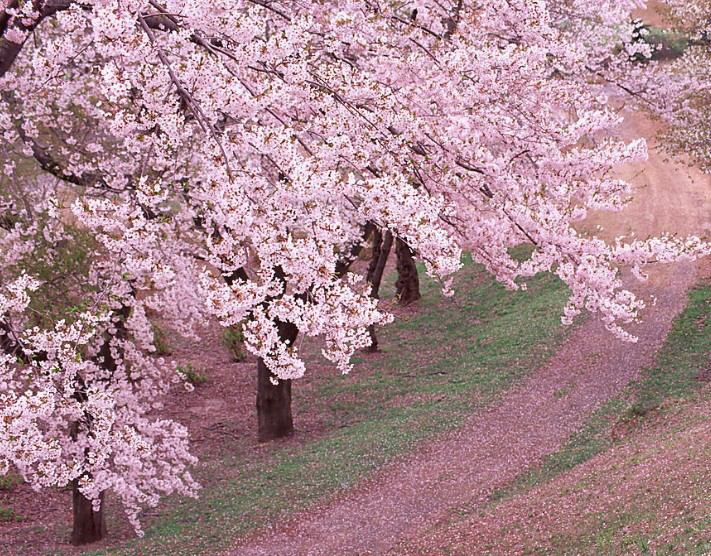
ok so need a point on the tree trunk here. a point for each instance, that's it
(347, 259)
(274, 415)
(373, 347)
(89, 526)
(407, 287)
(374, 255)
(274, 400)
(381, 252)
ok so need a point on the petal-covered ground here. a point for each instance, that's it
(649, 494)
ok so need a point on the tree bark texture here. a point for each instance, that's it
(382, 244)
(407, 287)
(274, 400)
(89, 526)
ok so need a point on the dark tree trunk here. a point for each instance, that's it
(375, 277)
(381, 251)
(274, 418)
(407, 287)
(347, 259)
(374, 344)
(89, 526)
(374, 254)
(274, 400)
(274, 415)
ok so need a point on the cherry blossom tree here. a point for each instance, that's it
(608, 40)
(77, 382)
(232, 157)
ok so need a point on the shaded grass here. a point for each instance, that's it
(7, 482)
(668, 45)
(439, 367)
(610, 534)
(7, 512)
(660, 509)
(476, 343)
(683, 363)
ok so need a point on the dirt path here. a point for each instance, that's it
(536, 416)
(636, 497)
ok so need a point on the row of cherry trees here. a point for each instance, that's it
(229, 159)
(680, 91)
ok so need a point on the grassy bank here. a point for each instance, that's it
(439, 366)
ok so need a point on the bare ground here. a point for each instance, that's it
(654, 14)
(405, 499)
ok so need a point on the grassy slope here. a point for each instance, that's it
(438, 368)
(664, 414)
(7, 513)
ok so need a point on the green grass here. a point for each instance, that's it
(8, 515)
(609, 535)
(233, 340)
(438, 368)
(194, 376)
(670, 518)
(683, 362)
(161, 341)
(475, 344)
(669, 44)
(7, 482)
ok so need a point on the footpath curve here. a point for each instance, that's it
(403, 499)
